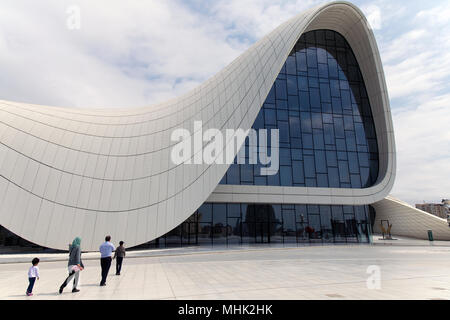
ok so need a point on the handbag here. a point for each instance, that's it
(75, 269)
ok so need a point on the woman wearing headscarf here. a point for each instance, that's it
(75, 265)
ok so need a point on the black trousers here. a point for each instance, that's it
(31, 285)
(119, 261)
(106, 264)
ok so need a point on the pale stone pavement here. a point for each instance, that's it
(323, 272)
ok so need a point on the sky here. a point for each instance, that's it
(136, 53)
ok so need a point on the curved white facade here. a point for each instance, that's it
(408, 221)
(88, 173)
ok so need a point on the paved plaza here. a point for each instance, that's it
(415, 271)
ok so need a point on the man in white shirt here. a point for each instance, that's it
(106, 250)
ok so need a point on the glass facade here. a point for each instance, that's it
(235, 224)
(319, 104)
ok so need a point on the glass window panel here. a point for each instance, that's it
(293, 103)
(323, 70)
(310, 168)
(246, 173)
(297, 154)
(248, 232)
(363, 159)
(234, 228)
(329, 134)
(335, 89)
(327, 118)
(345, 99)
(301, 61)
(353, 162)
(306, 125)
(234, 210)
(322, 56)
(303, 84)
(291, 66)
(343, 172)
(205, 213)
(284, 132)
(307, 141)
(314, 228)
(204, 233)
(318, 139)
(282, 104)
(276, 217)
(304, 101)
(365, 177)
(360, 134)
(321, 163)
(274, 180)
(282, 115)
(270, 117)
(351, 142)
(271, 96)
(322, 180)
(311, 57)
(355, 181)
(325, 94)
(314, 99)
(292, 85)
(280, 90)
(260, 181)
(333, 177)
(294, 127)
(341, 145)
(286, 176)
(311, 182)
(313, 83)
(316, 120)
(297, 172)
(233, 174)
(285, 156)
(331, 158)
(333, 68)
(336, 104)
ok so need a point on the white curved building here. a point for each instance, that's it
(318, 78)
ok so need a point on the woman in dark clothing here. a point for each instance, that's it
(75, 265)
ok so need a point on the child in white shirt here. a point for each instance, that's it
(33, 273)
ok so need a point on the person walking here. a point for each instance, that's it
(75, 265)
(33, 274)
(106, 250)
(119, 254)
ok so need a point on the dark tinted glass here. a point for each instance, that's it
(319, 103)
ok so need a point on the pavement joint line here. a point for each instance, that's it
(227, 251)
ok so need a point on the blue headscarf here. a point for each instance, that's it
(76, 242)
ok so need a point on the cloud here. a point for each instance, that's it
(373, 15)
(423, 151)
(418, 77)
(124, 54)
